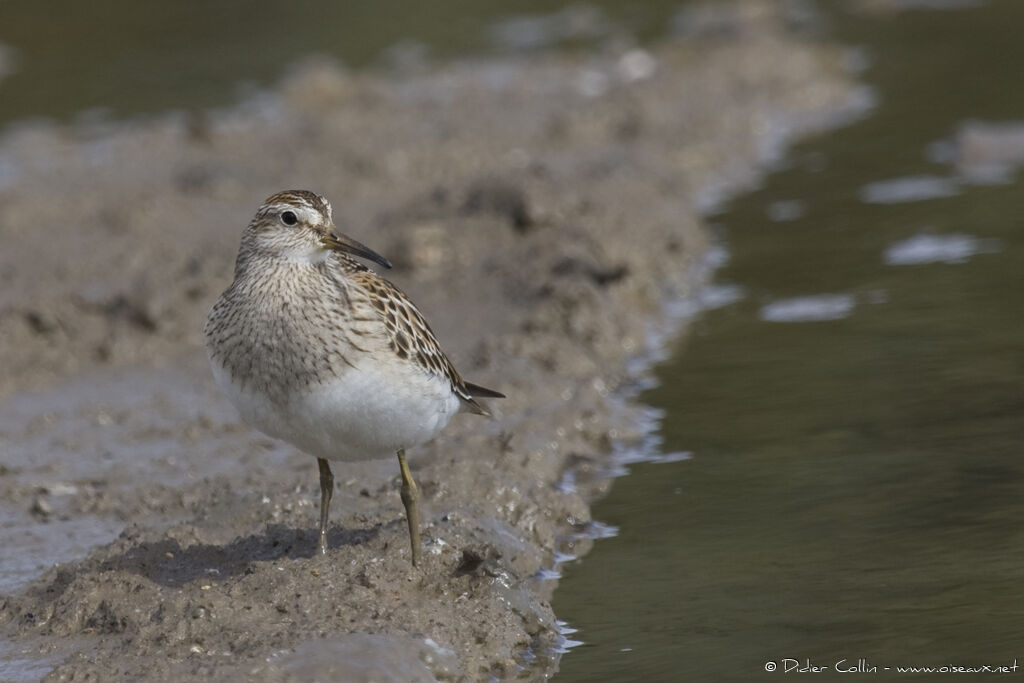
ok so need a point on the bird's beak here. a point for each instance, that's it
(346, 244)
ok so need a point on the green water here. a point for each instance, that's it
(129, 57)
(857, 485)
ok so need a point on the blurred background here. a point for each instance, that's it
(836, 470)
(121, 58)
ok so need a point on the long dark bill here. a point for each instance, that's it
(346, 244)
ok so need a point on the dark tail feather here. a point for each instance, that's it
(473, 391)
(476, 390)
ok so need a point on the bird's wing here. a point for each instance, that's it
(411, 338)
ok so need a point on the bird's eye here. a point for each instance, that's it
(289, 218)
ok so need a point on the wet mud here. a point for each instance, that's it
(541, 211)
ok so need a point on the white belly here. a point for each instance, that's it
(359, 416)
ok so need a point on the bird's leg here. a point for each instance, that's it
(410, 498)
(326, 491)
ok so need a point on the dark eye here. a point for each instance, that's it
(289, 218)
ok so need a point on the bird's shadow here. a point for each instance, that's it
(166, 563)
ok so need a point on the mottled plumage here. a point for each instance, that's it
(316, 349)
(410, 337)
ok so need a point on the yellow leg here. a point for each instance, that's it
(410, 498)
(326, 491)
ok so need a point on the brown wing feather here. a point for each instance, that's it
(410, 335)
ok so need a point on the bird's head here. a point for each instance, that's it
(297, 225)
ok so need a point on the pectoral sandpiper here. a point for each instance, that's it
(316, 349)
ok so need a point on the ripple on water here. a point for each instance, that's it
(808, 308)
(909, 189)
(921, 249)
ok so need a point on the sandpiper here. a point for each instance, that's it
(314, 348)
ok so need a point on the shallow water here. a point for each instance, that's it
(856, 420)
(121, 58)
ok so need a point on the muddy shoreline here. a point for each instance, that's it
(540, 210)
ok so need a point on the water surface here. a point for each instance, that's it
(125, 58)
(856, 490)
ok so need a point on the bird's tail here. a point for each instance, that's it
(477, 391)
